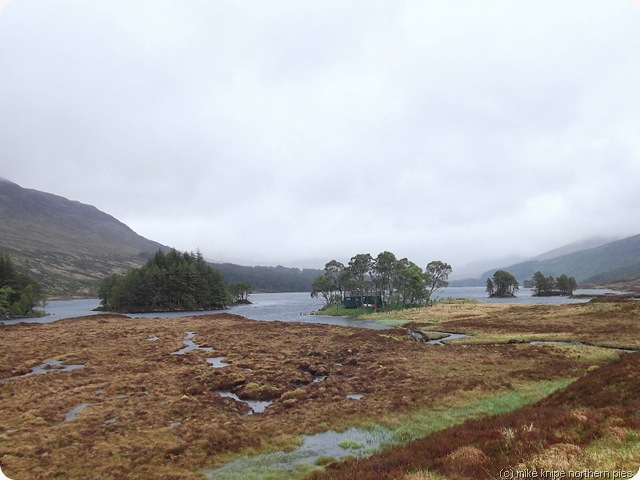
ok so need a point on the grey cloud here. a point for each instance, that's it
(290, 132)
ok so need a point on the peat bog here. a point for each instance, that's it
(149, 413)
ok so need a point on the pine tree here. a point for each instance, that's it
(170, 281)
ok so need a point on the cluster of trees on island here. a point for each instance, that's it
(170, 281)
(390, 281)
(19, 293)
(549, 286)
(503, 284)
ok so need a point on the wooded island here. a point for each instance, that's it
(167, 282)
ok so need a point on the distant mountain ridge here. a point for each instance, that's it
(66, 245)
(69, 247)
(573, 247)
(617, 261)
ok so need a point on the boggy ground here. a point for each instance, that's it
(591, 429)
(602, 323)
(152, 414)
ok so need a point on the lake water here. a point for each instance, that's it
(293, 307)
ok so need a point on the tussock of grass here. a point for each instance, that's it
(324, 460)
(613, 453)
(609, 453)
(424, 475)
(350, 445)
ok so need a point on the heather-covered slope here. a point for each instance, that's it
(66, 245)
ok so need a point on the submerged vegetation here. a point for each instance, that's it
(170, 281)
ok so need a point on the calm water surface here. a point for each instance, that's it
(292, 307)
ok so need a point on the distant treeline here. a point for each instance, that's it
(269, 279)
(171, 281)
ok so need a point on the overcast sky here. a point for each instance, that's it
(297, 131)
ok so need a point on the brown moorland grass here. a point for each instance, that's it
(151, 414)
(602, 322)
(561, 432)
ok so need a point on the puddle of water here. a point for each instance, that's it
(353, 442)
(257, 406)
(153, 338)
(355, 396)
(216, 362)
(46, 367)
(110, 421)
(190, 345)
(75, 412)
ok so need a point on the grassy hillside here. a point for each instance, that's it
(69, 247)
(66, 245)
(612, 262)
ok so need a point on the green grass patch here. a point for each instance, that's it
(455, 301)
(398, 430)
(340, 311)
(389, 322)
(426, 475)
(247, 469)
(350, 444)
(611, 453)
(423, 422)
(366, 313)
(324, 460)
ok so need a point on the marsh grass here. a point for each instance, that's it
(406, 384)
(340, 311)
(252, 470)
(606, 325)
(610, 453)
(424, 475)
(456, 301)
(350, 444)
(277, 466)
(462, 407)
(592, 424)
